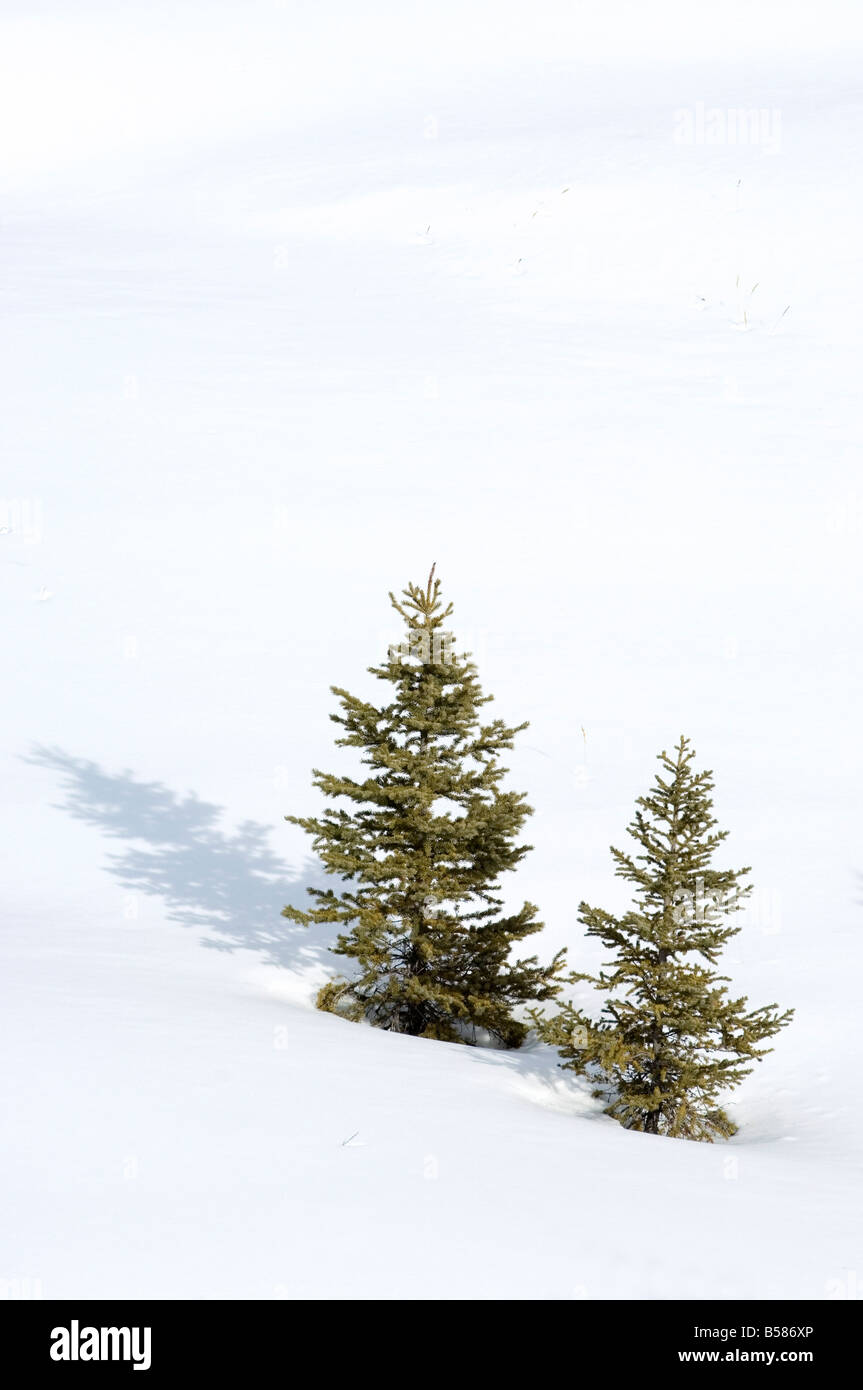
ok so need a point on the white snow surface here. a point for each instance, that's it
(297, 300)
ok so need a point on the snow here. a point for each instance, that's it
(298, 300)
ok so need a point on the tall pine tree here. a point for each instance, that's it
(670, 1039)
(427, 833)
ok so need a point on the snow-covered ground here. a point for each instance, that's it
(298, 299)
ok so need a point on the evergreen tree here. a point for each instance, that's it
(426, 836)
(670, 1040)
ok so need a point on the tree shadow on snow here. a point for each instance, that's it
(535, 1075)
(228, 883)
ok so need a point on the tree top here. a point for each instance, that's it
(422, 607)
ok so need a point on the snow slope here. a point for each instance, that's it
(297, 300)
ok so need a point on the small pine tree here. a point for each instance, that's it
(427, 835)
(670, 1040)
